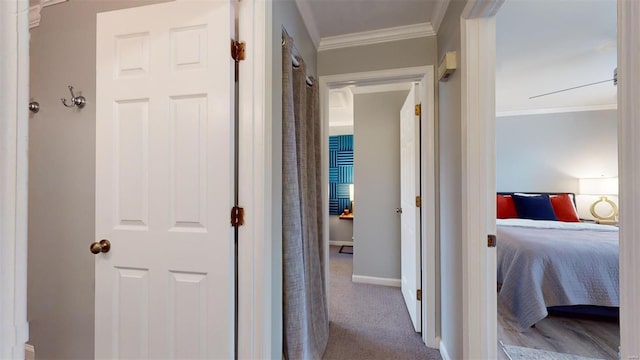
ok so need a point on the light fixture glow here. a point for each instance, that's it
(602, 187)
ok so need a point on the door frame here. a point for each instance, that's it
(14, 167)
(478, 118)
(257, 284)
(430, 315)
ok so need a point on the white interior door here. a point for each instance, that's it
(410, 216)
(164, 182)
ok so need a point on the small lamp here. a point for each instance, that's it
(602, 187)
(351, 190)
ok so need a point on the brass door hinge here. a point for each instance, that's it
(491, 241)
(237, 216)
(418, 109)
(238, 50)
(418, 201)
(419, 295)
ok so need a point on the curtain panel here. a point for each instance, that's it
(306, 320)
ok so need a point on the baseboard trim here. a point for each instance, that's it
(340, 243)
(375, 280)
(443, 352)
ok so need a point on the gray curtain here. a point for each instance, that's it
(306, 320)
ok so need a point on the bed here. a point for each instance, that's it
(546, 263)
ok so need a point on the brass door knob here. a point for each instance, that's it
(102, 246)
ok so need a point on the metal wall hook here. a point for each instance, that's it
(34, 107)
(78, 101)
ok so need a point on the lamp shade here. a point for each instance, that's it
(351, 192)
(598, 186)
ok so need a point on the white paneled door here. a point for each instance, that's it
(164, 182)
(410, 215)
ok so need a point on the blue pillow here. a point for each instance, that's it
(536, 207)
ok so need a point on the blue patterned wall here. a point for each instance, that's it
(340, 172)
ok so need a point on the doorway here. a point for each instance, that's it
(478, 44)
(544, 102)
(384, 78)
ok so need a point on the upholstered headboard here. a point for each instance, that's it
(571, 195)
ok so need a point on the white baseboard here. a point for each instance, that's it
(340, 243)
(375, 280)
(443, 352)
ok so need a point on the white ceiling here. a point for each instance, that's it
(542, 45)
(341, 100)
(548, 45)
(341, 107)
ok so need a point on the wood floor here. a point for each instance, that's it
(585, 337)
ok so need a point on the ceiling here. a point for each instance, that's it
(339, 17)
(341, 100)
(542, 45)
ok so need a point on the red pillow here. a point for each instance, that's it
(505, 207)
(564, 209)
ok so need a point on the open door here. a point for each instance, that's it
(164, 182)
(410, 201)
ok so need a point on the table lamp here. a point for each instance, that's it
(602, 187)
(351, 190)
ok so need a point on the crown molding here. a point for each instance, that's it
(557, 110)
(438, 14)
(309, 21)
(46, 3)
(34, 11)
(376, 36)
(34, 16)
(370, 89)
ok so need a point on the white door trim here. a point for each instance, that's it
(429, 305)
(14, 166)
(256, 280)
(629, 175)
(479, 307)
(430, 272)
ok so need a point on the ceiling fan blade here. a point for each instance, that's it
(572, 88)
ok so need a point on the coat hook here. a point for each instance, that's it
(34, 107)
(78, 101)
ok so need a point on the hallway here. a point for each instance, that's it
(368, 321)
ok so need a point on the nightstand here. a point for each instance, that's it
(347, 216)
(612, 223)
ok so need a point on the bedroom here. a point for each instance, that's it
(557, 143)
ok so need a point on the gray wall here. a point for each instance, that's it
(285, 13)
(339, 229)
(62, 180)
(450, 186)
(383, 56)
(376, 226)
(556, 151)
(550, 152)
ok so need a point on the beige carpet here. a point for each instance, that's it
(368, 321)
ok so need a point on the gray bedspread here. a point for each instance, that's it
(542, 267)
